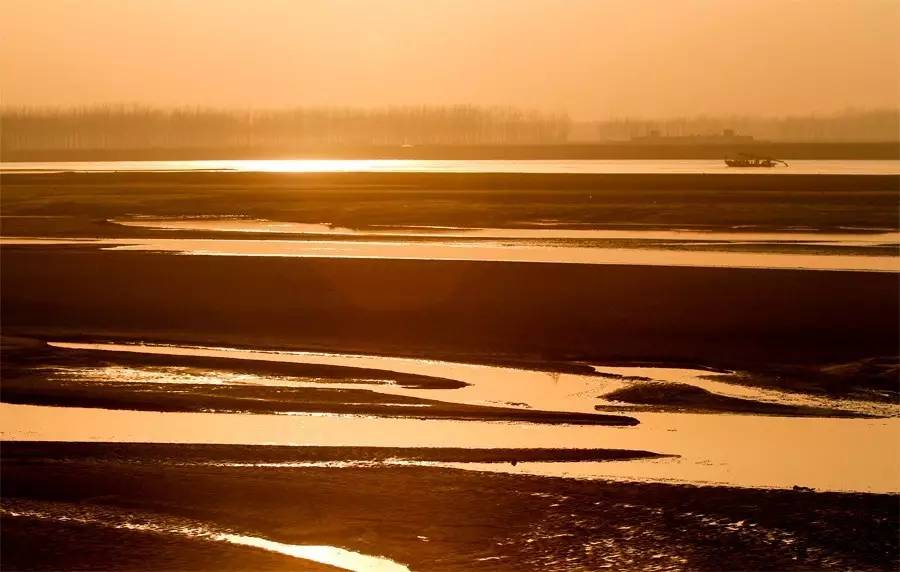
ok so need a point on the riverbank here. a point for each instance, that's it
(77, 202)
(719, 317)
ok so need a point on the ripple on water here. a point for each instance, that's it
(145, 522)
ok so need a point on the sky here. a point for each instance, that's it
(593, 59)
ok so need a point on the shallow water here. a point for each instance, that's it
(726, 385)
(739, 450)
(543, 232)
(340, 558)
(736, 450)
(631, 166)
(486, 251)
(487, 384)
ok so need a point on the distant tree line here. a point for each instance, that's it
(133, 127)
(113, 128)
(849, 126)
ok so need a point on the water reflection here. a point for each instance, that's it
(483, 250)
(487, 384)
(727, 385)
(736, 450)
(557, 166)
(100, 516)
(542, 231)
(331, 555)
(199, 376)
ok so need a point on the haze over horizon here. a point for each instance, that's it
(588, 58)
(450, 285)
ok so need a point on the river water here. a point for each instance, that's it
(738, 450)
(485, 251)
(582, 166)
(837, 454)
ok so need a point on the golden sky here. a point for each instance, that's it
(591, 58)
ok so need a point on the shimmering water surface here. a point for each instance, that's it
(738, 450)
(486, 384)
(542, 230)
(635, 166)
(488, 251)
(339, 558)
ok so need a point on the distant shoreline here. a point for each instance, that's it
(618, 150)
(496, 182)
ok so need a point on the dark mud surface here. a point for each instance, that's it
(359, 200)
(723, 317)
(828, 333)
(690, 399)
(36, 374)
(206, 455)
(35, 544)
(764, 321)
(427, 518)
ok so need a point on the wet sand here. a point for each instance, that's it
(37, 374)
(535, 231)
(750, 451)
(421, 517)
(827, 258)
(730, 318)
(360, 200)
(88, 540)
(474, 482)
(354, 399)
(345, 399)
(683, 397)
(189, 378)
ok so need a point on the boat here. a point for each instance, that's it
(746, 160)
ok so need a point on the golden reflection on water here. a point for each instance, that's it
(737, 450)
(549, 166)
(487, 384)
(199, 376)
(85, 514)
(545, 231)
(486, 251)
(331, 555)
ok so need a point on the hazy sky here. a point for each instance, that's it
(591, 58)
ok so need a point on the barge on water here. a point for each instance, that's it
(745, 160)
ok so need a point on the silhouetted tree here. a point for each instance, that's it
(133, 127)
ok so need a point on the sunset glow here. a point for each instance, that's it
(450, 285)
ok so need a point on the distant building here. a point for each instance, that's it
(728, 136)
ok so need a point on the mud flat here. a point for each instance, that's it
(723, 317)
(165, 377)
(682, 397)
(441, 414)
(471, 200)
(35, 373)
(670, 255)
(414, 516)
